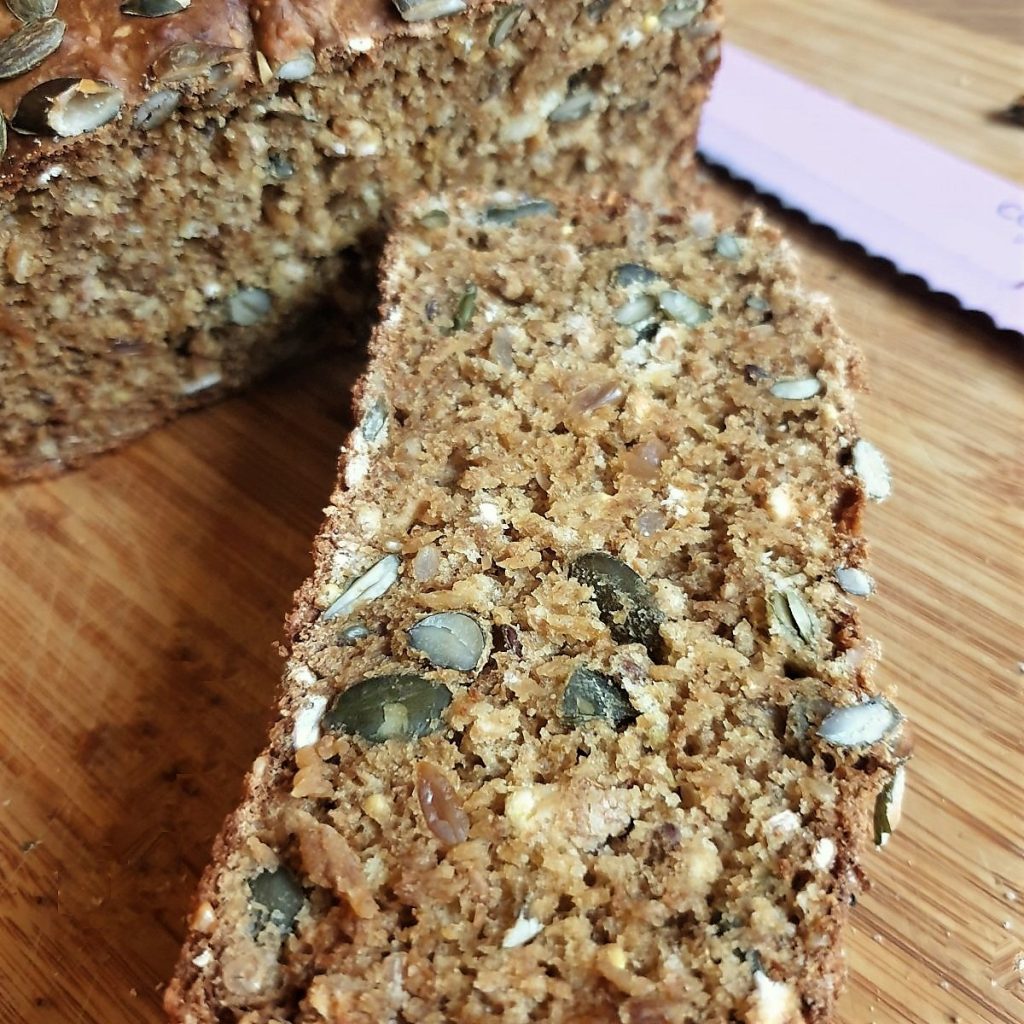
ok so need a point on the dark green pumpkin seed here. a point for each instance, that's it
(593, 696)
(511, 214)
(597, 9)
(633, 273)
(153, 8)
(32, 10)
(29, 46)
(504, 22)
(435, 219)
(193, 59)
(66, 107)
(680, 13)
(428, 10)
(624, 600)
(401, 706)
(449, 640)
(466, 308)
(277, 899)
(156, 109)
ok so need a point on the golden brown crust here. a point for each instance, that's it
(693, 855)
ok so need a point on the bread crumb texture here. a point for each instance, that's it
(578, 726)
(154, 264)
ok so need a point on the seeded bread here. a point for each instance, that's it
(249, 154)
(578, 723)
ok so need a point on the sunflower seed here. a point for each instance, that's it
(374, 420)
(681, 13)
(248, 306)
(728, 246)
(597, 9)
(194, 59)
(29, 46)
(466, 308)
(505, 22)
(449, 640)
(574, 108)
(683, 309)
(155, 109)
(792, 617)
(351, 635)
(870, 466)
(277, 899)
(595, 396)
(435, 219)
(633, 273)
(401, 706)
(591, 695)
(635, 310)
(855, 581)
(67, 107)
(797, 389)
(297, 68)
(860, 724)
(32, 10)
(624, 601)
(442, 809)
(506, 638)
(428, 10)
(511, 214)
(889, 806)
(374, 583)
(154, 8)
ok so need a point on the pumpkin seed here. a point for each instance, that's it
(374, 420)
(193, 59)
(466, 308)
(624, 601)
(297, 68)
(511, 214)
(860, 724)
(504, 22)
(66, 107)
(633, 273)
(280, 166)
(32, 10)
(889, 806)
(635, 310)
(401, 706)
(435, 219)
(796, 390)
(29, 46)
(855, 581)
(680, 13)
(728, 246)
(154, 8)
(449, 640)
(249, 306)
(574, 108)
(870, 466)
(597, 9)
(374, 583)
(155, 109)
(351, 635)
(3, 135)
(591, 696)
(277, 899)
(683, 309)
(428, 10)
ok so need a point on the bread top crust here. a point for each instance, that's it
(247, 41)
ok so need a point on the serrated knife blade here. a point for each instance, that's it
(956, 225)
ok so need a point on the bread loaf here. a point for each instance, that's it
(199, 180)
(578, 725)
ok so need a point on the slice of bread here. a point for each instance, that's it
(578, 723)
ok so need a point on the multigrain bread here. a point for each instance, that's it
(578, 724)
(255, 148)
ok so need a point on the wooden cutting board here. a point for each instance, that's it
(141, 600)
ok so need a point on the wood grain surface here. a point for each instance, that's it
(140, 601)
